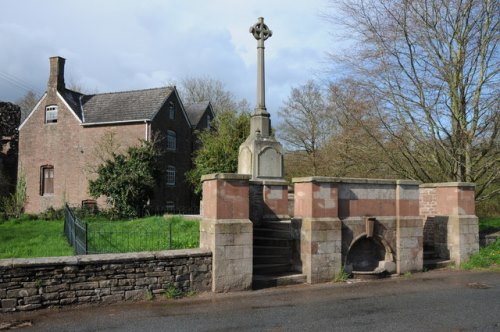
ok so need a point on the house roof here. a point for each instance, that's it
(123, 106)
(195, 111)
(114, 107)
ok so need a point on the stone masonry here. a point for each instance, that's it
(452, 228)
(333, 214)
(227, 231)
(27, 284)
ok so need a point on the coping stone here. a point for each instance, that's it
(225, 176)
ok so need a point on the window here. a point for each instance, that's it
(171, 111)
(208, 122)
(46, 180)
(51, 114)
(171, 140)
(171, 175)
(170, 206)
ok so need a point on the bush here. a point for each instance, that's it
(52, 214)
(13, 204)
(128, 180)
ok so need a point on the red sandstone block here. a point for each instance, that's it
(225, 199)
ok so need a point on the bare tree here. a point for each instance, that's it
(307, 124)
(434, 64)
(200, 89)
(355, 147)
(27, 103)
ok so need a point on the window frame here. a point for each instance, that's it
(47, 183)
(51, 109)
(171, 111)
(171, 175)
(171, 140)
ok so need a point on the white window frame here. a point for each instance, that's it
(51, 113)
(171, 175)
(171, 140)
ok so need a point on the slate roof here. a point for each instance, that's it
(195, 112)
(73, 100)
(129, 106)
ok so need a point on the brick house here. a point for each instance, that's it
(64, 137)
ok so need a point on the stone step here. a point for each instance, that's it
(271, 269)
(274, 233)
(437, 263)
(271, 259)
(428, 254)
(284, 279)
(285, 225)
(270, 241)
(271, 251)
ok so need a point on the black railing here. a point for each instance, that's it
(111, 237)
(75, 231)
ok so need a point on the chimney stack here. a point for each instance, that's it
(56, 77)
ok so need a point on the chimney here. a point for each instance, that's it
(56, 77)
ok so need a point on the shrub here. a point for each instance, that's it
(13, 204)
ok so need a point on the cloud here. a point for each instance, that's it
(122, 45)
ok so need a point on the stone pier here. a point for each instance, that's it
(227, 231)
(452, 228)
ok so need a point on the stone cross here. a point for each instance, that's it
(261, 32)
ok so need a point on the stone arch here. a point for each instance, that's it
(365, 253)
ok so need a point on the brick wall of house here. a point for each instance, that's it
(56, 144)
(180, 194)
(73, 152)
(69, 148)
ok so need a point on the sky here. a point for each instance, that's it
(128, 44)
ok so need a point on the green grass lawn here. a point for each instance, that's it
(33, 238)
(152, 233)
(38, 238)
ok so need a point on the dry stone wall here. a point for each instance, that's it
(27, 284)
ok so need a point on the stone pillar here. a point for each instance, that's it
(455, 218)
(316, 209)
(226, 230)
(409, 228)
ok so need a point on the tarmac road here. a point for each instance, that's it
(432, 301)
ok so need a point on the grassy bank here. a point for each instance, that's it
(41, 238)
(33, 238)
(145, 234)
(488, 258)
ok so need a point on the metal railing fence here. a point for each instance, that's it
(113, 237)
(75, 231)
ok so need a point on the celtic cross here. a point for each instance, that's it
(261, 32)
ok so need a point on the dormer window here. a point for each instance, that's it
(51, 114)
(171, 111)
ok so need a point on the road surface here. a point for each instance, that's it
(432, 301)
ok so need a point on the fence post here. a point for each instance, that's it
(86, 239)
(170, 237)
